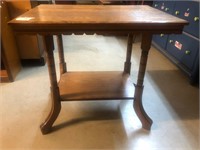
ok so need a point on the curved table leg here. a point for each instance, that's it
(139, 109)
(55, 110)
(55, 94)
(142, 115)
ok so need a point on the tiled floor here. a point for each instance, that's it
(168, 98)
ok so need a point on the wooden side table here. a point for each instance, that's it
(50, 20)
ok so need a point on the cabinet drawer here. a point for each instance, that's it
(184, 49)
(30, 47)
(160, 40)
(166, 6)
(188, 10)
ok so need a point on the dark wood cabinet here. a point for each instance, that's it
(10, 61)
(31, 49)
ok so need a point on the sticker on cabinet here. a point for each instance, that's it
(178, 45)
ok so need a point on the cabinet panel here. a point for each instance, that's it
(9, 52)
(161, 40)
(30, 49)
(188, 10)
(184, 49)
(166, 6)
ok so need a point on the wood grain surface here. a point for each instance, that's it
(62, 18)
(101, 85)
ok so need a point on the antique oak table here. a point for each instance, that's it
(48, 20)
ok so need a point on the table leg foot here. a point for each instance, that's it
(45, 129)
(47, 125)
(55, 110)
(139, 109)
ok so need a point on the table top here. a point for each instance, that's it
(64, 18)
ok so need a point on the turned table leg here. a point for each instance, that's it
(127, 64)
(142, 115)
(55, 94)
(63, 67)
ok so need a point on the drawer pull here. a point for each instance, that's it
(187, 52)
(161, 35)
(156, 5)
(196, 19)
(177, 12)
(166, 9)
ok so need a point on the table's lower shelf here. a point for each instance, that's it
(95, 86)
